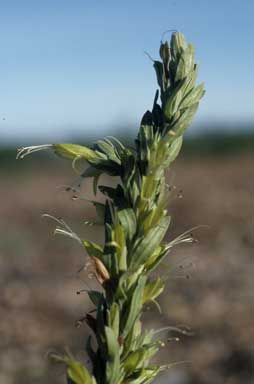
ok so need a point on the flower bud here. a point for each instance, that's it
(165, 54)
(178, 44)
(101, 271)
(73, 151)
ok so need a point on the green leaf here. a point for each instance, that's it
(153, 289)
(127, 219)
(134, 361)
(191, 80)
(90, 351)
(174, 150)
(156, 258)
(165, 53)
(133, 309)
(184, 121)
(144, 375)
(110, 258)
(193, 96)
(95, 297)
(129, 167)
(114, 318)
(174, 99)
(78, 373)
(177, 44)
(130, 341)
(113, 359)
(107, 191)
(144, 338)
(108, 148)
(159, 72)
(93, 249)
(149, 186)
(121, 250)
(145, 139)
(100, 327)
(134, 192)
(148, 244)
(185, 63)
(137, 359)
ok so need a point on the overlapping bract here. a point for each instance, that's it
(136, 220)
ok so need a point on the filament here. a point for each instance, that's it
(25, 151)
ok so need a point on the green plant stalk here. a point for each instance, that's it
(135, 219)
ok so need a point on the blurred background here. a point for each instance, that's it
(77, 71)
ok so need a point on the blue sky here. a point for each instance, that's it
(78, 67)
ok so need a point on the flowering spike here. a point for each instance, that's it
(135, 220)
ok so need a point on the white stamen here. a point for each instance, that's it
(25, 151)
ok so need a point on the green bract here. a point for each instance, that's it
(135, 218)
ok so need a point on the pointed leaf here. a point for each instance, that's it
(127, 218)
(133, 309)
(93, 249)
(193, 96)
(174, 150)
(78, 373)
(185, 63)
(95, 297)
(174, 99)
(183, 122)
(113, 360)
(114, 318)
(152, 290)
(177, 44)
(149, 243)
